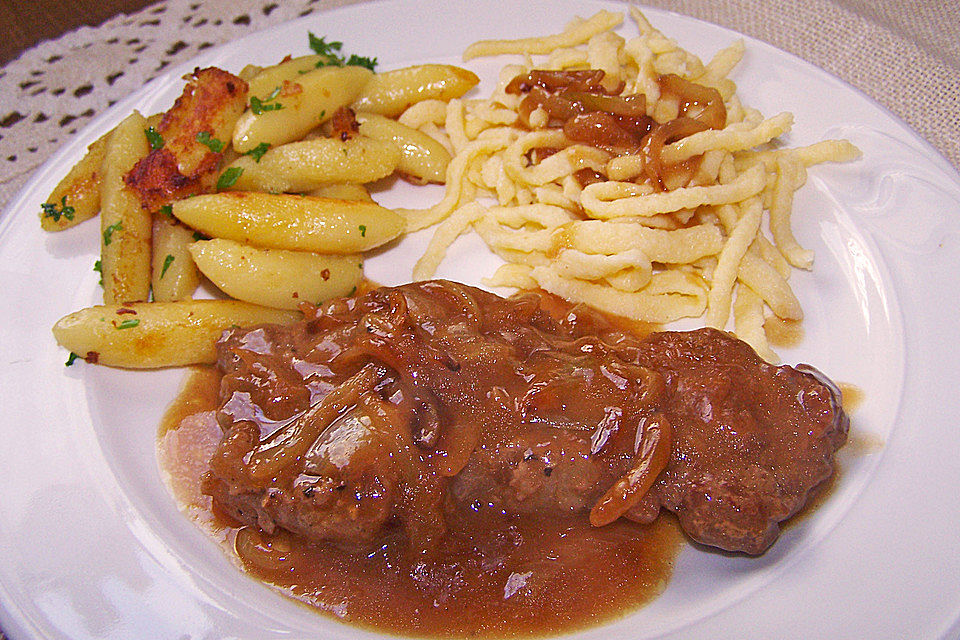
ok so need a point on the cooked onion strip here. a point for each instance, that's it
(287, 444)
(653, 454)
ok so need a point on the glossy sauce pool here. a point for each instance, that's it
(494, 575)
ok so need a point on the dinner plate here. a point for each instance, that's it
(93, 546)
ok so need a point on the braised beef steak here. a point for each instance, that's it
(401, 406)
(750, 439)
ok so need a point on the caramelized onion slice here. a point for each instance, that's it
(600, 129)
(269, 553)
(555, 105)
(582, 80)
(588, 176)
(652, 457)
(662, 135)
(285, 445)
(633, 105)
(427, 421)
(701, 103)
(455, 448)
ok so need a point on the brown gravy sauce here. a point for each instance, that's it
(858, 442)
(853, 396)
(495, 575)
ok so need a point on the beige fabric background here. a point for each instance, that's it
(904, 55)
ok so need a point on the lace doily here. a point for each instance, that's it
(55, 89)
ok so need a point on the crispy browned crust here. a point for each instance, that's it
(211, 102)
(158, 181)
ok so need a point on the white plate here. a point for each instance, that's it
(92, 545)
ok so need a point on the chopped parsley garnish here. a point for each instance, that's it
(72, 358)
(229, 178)
(50, 210)
(210, 142)
(363, 231)
(108, 232)
(361, 61)
(320, 46)
(257, 152)
(197, 236)
(98, 267)
(129, 323)
(166, 264)
(333, 58)
(258, 106)
(167, 210)
(154, 138)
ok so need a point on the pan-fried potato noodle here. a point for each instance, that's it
(627, 174)
(270, 167)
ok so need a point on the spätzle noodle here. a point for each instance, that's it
(446, 233)
(578, 32)
(627, 174)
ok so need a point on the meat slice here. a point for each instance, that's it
(750, 440)
(397, 407)
(389, 409)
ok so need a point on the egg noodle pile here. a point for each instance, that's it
(707, 243)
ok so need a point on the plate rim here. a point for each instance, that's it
(88, 133)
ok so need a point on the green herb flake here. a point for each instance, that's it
(98, 267)
(154, 138)
(50, 210)
(197, 236)
(72, 358)
(229, 178)
(332, 57)
(167, 210)
(361, 61)
(129, 323)
(259, 106)
(363, 231)
(257, 152)
(109, 231)
(210, 142)
(320, 46)
(166, 264)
